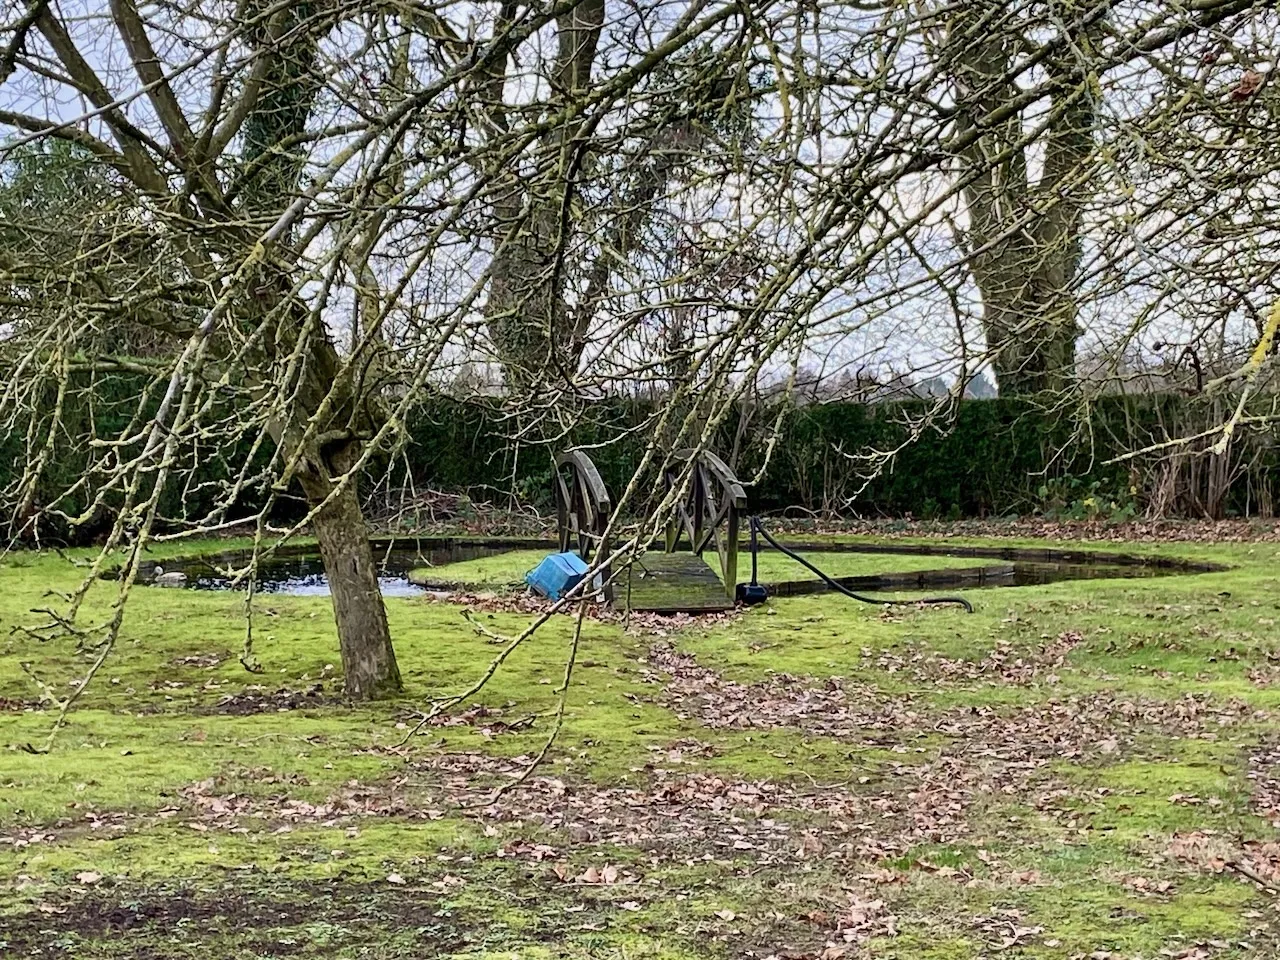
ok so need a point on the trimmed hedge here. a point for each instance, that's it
(996, 457)
(103, 407)
(992, 459)
(462, 445)
(1009, 456)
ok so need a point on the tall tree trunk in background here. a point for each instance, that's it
(538, 335)
(1025, 237)
(525, 309)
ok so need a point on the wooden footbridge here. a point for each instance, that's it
(676, 578)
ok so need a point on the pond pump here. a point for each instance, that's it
(755, 592)
(749, 594)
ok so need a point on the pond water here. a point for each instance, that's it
(298, 571)
(1016, 567)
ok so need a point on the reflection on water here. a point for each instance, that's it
(298, 571)
(1017, 574)
(1017, 567)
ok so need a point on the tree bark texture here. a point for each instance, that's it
(1024, 237)
(368, 659)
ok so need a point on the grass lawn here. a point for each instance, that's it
(1080, 770)
(508, 569)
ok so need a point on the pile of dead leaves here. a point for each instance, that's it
(488, 721)
(1142, 531)
(1086, 725)
(1213, 852)
(643, 623)
(258, 699)
(1264, 764)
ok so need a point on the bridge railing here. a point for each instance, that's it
(583, 508)
(711, 512)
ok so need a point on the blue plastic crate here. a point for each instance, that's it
(557, 575)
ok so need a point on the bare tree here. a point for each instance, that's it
(564, 224)
(285, 168)
(1023, 232)
(321, 211)
(219, 182)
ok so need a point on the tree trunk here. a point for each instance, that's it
(1025, 237)
(1032, 327)
(288, 91)
(368, 660)
(526, 309)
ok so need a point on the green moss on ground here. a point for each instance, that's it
(108, 831)
(502, 570)
(509, 569)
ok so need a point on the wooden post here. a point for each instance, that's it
(729, 558)
(673, 524)
(699, 507)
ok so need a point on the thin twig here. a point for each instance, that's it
(560, 709)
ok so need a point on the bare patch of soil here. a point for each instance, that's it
(262, 919)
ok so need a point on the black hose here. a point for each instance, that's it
(756, 525)
(753, 524)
